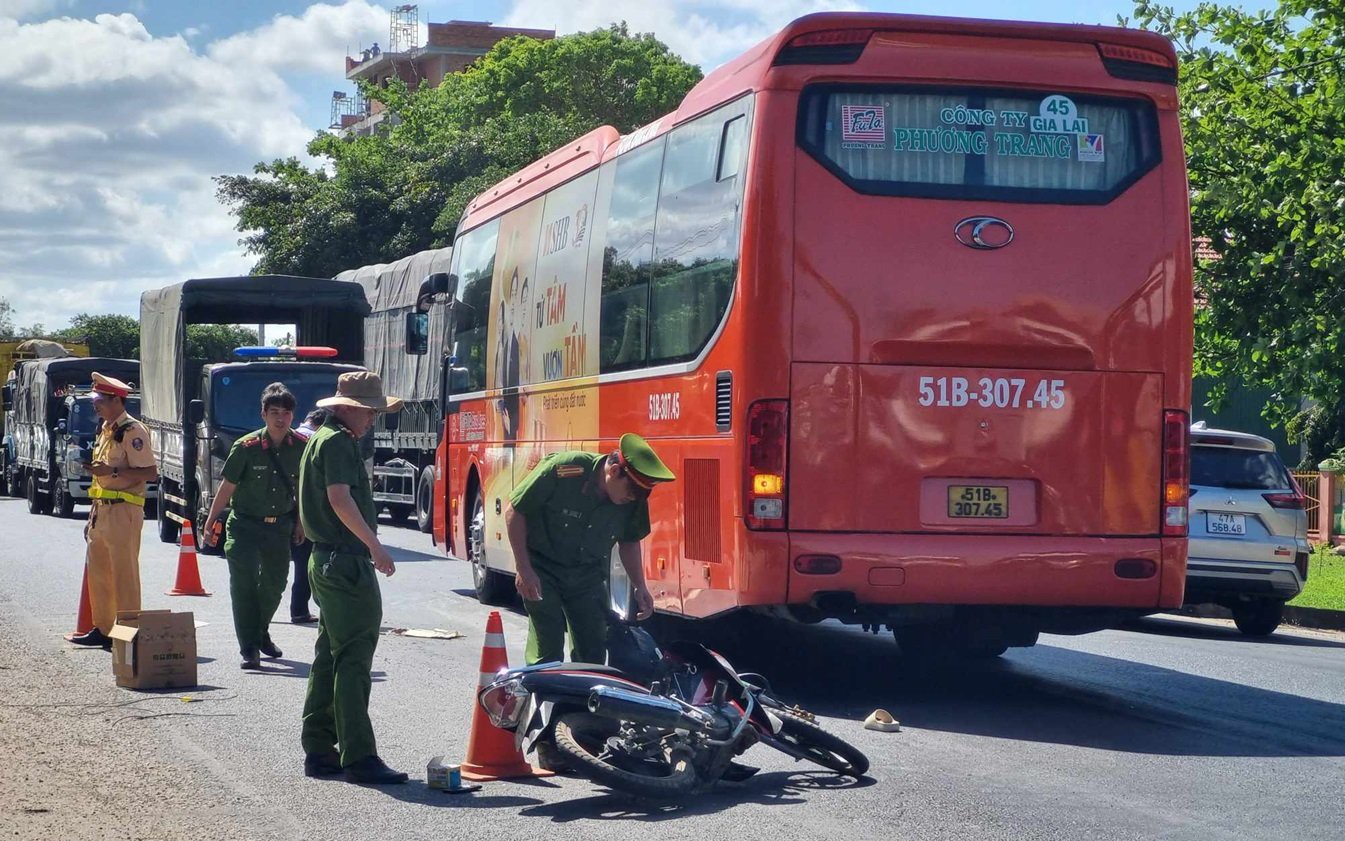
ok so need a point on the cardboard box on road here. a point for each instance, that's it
(154, 649)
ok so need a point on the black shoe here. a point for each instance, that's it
(270, 650)
(326, 764)
(93, 638)
(306, 619)
(250, 660)
(737, 772)
(372, 771)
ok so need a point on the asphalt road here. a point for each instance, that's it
(1175, 729)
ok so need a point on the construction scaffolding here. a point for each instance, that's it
(404, 29)
(347, 109)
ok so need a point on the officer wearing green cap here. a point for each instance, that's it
(563, 520)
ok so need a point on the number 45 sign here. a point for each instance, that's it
(1059, 115)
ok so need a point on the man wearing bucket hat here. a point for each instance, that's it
(122, 466)
(336, 507)
(563, 520)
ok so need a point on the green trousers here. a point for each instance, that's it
(336, 710)
(573, 597)
(259, 559)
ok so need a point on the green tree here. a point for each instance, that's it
(1263, 115)
(6, 319)
(378, 198)
(216, 342)
(116, 336)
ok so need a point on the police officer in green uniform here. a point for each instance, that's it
(563, 520)
(260, 478)
(336, 504)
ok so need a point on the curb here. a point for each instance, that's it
(1302, 617)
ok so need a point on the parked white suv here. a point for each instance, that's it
(1249, 530)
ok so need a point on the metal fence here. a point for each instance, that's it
(1310, 484)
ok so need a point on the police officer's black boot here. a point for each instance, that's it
(372, 771)
(251, 660)
(270, 649)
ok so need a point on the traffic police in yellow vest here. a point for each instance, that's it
(259, 482)
(122, 466)
(563, 520)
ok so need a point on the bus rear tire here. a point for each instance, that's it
(425, 500)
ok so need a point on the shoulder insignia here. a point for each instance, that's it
(250, 442)
(138, 443)
(569, 471)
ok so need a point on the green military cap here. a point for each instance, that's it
(643, 465)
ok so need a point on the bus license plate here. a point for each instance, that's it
(1235, 524)
(988, 502)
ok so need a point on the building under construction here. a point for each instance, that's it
(449, 48)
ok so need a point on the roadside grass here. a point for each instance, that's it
(1326, 582)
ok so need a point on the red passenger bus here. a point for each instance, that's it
(905, 302)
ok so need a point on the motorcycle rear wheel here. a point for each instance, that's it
(583, 738)
(821, 747)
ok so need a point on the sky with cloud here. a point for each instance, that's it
(115, 121)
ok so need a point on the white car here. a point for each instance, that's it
(1248, 528)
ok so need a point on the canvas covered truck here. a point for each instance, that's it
(195, 409)
(403, 471)
(53, 426)
(13, 353)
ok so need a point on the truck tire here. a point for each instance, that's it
(425, 501)
(64, 504)
(38, 503)
(168, 528)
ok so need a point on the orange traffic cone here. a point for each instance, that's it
(84, 623)
(188, 573)
(491, 752)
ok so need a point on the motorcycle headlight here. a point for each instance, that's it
(503, 701)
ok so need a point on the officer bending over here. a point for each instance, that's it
(563, 520)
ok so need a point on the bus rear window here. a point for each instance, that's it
(978, 143)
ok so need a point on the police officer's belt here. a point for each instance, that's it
(344, 548)
(268, 520)
(105, 495)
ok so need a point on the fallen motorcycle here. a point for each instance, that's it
(667, 728)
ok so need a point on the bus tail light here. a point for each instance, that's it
(1137, 64)
(832, 46)
(766, 465)
(1176, 472)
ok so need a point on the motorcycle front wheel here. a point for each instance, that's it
(589, 742)
(805, 740)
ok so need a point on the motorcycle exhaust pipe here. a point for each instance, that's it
(622, 705)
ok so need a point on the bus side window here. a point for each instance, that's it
(474, 255)
(731, 147)
(696, 239)
(629, 246)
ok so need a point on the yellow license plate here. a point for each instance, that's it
(990, 502)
